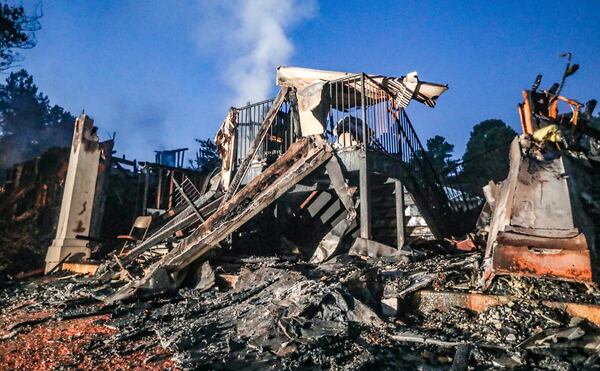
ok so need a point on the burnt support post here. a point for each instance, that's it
(171, 189)
(159, 188)
(400, 226)
(146, 189)
(137, 193)
(365, 207)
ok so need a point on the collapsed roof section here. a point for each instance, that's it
(403, 88)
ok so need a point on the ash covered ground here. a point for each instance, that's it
(282, 313)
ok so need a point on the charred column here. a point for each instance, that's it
(79, 194)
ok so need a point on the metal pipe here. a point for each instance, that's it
(364, 111)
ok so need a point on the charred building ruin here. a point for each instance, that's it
(326, 238)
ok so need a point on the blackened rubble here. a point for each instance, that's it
(545, 289)
(291, 314)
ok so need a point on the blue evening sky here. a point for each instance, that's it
(138, 67)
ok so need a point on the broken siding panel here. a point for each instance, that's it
(225, 140)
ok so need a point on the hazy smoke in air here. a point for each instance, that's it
(252, 38)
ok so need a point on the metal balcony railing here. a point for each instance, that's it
(358, 99)
(278, 139)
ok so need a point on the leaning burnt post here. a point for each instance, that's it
(77, 208)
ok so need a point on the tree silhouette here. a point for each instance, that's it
(207, 157)
(440, 152)
(17, 32)
(486, 156)
(29, 125)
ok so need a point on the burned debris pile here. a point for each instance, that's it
(306, 248)
(278, 312)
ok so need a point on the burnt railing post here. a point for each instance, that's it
(146, 189)
(365, 207)
(400, 205)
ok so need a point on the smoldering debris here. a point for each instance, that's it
(283, 314)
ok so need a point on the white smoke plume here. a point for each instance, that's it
(251, 38)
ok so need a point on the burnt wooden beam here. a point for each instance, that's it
(300, 159)
(181, 221)
(426, 301)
